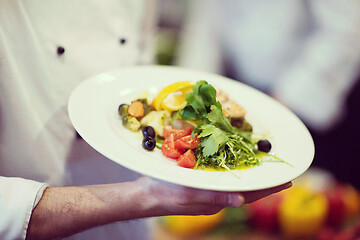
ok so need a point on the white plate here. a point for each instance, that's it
(93, 109)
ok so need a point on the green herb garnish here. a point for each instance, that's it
(222, 145)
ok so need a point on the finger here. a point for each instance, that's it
(252, 196)
(223, 199)
(232, 199)
(197, 209)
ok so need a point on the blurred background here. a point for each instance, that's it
(305, 54)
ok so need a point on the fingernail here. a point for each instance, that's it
(287, 185)
(236, 200)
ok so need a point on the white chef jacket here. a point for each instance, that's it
(46, 48)
(305, 53)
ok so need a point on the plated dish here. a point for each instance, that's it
(198, 126)
(93, 111)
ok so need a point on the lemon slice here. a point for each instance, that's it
(175, 100)
(164, 93)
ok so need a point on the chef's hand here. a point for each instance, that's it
(170, 199)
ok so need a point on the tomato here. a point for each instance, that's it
(168, 147)
(187, 142)
(175, 143)
(178, 133)
(187, 160)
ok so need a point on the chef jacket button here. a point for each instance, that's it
(60, 51)
(122, 41)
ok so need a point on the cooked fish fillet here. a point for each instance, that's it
(230, 107)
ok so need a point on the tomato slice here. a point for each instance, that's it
(187, 142)
(168, 148)
(187, 160)
(178, 133)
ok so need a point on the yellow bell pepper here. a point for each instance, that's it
(302, 213)
(192, 225)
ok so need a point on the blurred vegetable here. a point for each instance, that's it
(146, 106)
(128, 121)
(263, 214)
(302, 213)
(234, 223)
(352, 201)
(336, 212)
(157, 120)
(131, 123)
(344, 204)
(192, 225)
(136, 109)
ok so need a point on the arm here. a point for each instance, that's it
(68, 210)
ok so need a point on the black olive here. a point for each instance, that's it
(123, 109)
(148, 131)
(264, 145)
(149, 143)
(120, 106)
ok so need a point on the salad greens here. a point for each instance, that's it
(222, 145)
